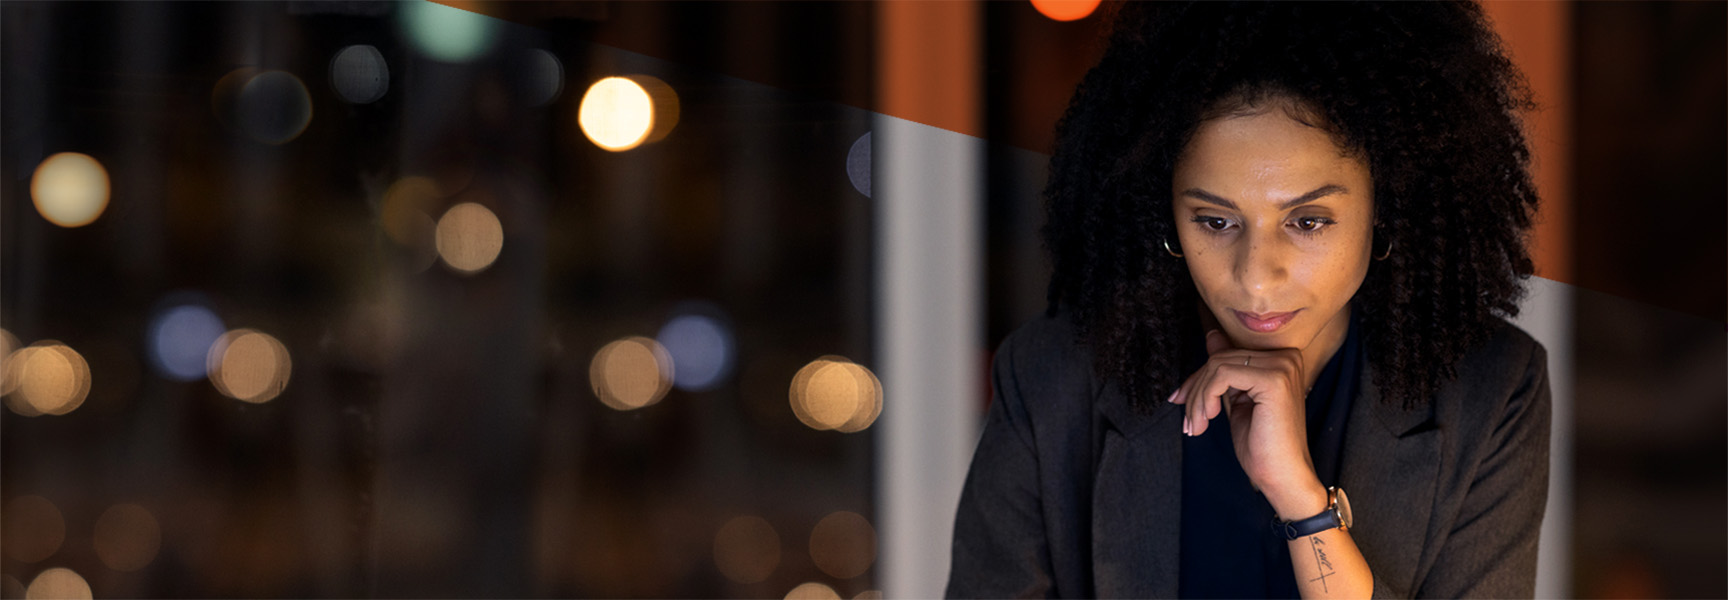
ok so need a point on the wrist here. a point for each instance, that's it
(1299, 502)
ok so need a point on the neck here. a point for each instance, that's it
(1325, 344)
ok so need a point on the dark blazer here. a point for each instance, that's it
(1073, 494)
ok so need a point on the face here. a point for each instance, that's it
(1276, 223)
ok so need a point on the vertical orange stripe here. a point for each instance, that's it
(1538, 36)
(929, 63)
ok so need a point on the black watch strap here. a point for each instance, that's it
(1327, 519)
(1309, 526)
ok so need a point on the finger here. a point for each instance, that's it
(1191, 403)
(1203, 406)
(1238, 384)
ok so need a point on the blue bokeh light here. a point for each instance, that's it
(702, 350)
(179, 340)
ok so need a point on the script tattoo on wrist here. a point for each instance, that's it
(1321, 563)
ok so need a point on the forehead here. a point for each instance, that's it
(1266, 155)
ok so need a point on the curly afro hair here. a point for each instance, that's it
(1421, 91)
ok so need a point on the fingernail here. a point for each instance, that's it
(1185, 424)
(1172, 398)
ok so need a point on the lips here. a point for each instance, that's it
(1264, 322)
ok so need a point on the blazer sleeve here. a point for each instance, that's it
(999, 549)
(1491, 550)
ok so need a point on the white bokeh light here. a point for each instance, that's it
(360, 74)
(446, 33)
(858, 164)
(70, 189)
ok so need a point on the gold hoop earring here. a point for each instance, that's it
(1167, 248)
(1385, 254)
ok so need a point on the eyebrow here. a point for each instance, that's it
(1321, 192)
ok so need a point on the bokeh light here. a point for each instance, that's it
(446, 33)
(10, 587)
(868, 595)
(179, 341)
(53, 379)
(268, 106)
(127, 537)
(833, 393)
(407, 197)
(702, 347)
(858, 164)
(8, 345)
(812, 591)
(747, 549)
(359, 74)
(248, 365)
(70, 189)
(1065, 10)
(616, 114)
(469, 237)
(666, 105)
(631, 373)
(843, 545)
(404, 215)
(58, 583)
(31, 529)
(543, 77)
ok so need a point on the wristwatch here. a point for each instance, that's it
(1336, 515)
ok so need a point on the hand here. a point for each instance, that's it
(1264, 403)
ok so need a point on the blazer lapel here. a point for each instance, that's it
(1390, 468)
(1136, 500)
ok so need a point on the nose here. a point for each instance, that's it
(1260, 262)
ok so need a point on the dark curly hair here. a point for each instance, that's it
(1421, 91)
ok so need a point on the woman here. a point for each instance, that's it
(1285, 240)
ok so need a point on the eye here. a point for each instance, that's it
(1312, 225)
(1213, 224)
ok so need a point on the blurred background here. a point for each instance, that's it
(657, 299)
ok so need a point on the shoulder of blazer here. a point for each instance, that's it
(1492, 375)
(1044, 370)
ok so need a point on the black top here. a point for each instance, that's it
(1228, 547)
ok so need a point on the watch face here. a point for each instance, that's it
(1344, 514)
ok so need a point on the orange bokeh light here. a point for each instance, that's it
(1065, 10)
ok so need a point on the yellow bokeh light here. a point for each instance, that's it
(616, 114)
(747, 549)
(8, 345)
(249, 365)
(127, 537)
(469, 237)
(666, 106)
(1065, 10)
(843, 545)
(70, 189)
(58, 583)
(833, 393)
(52, 379)
(812, 591)
(31, 529)
(407, 200)
(631, 373)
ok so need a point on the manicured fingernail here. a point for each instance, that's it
(1172, 398)
(1185, 427)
